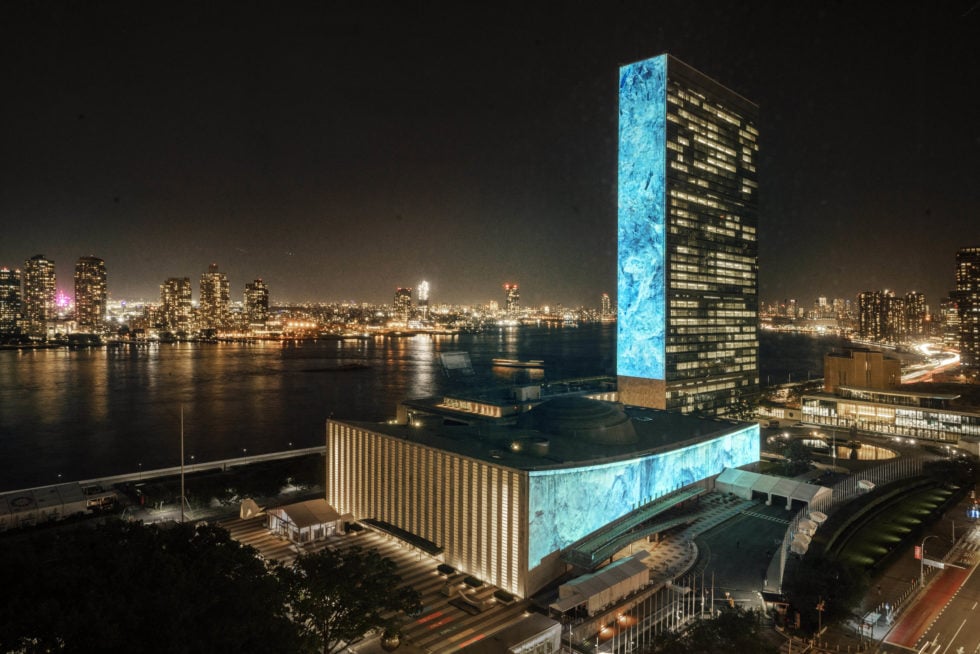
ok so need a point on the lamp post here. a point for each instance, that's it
(922, 553)
(139, 466)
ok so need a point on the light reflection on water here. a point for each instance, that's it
(88, 413)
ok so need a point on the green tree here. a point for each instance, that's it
(337, 596)
(798, 457)
(124, 587)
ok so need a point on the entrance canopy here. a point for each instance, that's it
(743, 483)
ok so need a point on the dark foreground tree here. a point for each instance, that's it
(336, 596)
(736, 631)
(834, 585)
(125, 587)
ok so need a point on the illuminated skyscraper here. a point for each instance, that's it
(606, 305)
(10, 281)
(39, 294)
(256, 302)
(215, 299)
(688, 254)
(175, 296)
(967, 296)
(915, 314)
(512, 299)
(871, 315)
(403, 304)
(91, 293)
(424, 299)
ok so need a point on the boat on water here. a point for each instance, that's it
(517, 363)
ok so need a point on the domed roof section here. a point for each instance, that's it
(579, 417)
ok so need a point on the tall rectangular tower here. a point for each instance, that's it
(215, 300)
(688, 254)
(91, 293)
(10, 281)
(967, 296)
(39, 294)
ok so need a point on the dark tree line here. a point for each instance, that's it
(124, 587)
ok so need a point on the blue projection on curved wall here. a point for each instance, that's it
(565, 505)
(642, 187)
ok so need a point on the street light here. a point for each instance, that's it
(244, 455)
(140, 467)
(922, 558)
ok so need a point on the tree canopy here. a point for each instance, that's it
(124, 587)
(336, 596)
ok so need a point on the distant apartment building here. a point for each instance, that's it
(10, 303)
(512, 299)
(967, 297)
(403, 304)
(884, 317)
(915, 315)
(214, 303)
(91, 293)
(256, 303)
(949, 323)
(871, 315)
(176, 307)
(688, 307)
(39, 295)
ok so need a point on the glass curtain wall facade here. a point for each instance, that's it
(688, 250)
(895, 413)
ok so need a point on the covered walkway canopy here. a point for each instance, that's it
(591, 550)
(743, 483)
(602, 588)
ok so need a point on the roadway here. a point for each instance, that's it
(945, 618)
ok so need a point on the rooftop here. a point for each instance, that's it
(564, 432)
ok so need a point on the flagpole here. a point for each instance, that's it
(181, 463)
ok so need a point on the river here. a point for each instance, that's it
(79, 414)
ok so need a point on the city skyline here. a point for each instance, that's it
(338, 153)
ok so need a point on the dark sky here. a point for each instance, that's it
(341, 149)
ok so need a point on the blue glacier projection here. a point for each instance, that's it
(642, 187)
(565, 505)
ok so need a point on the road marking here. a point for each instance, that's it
(974, 607)
(954, 637)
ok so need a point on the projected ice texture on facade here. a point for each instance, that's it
(642, 187)
(565, 505)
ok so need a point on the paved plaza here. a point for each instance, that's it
(443, 627)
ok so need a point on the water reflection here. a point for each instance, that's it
(87, 413)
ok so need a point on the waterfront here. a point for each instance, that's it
(77, 414)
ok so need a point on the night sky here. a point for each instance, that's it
(338, 150)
